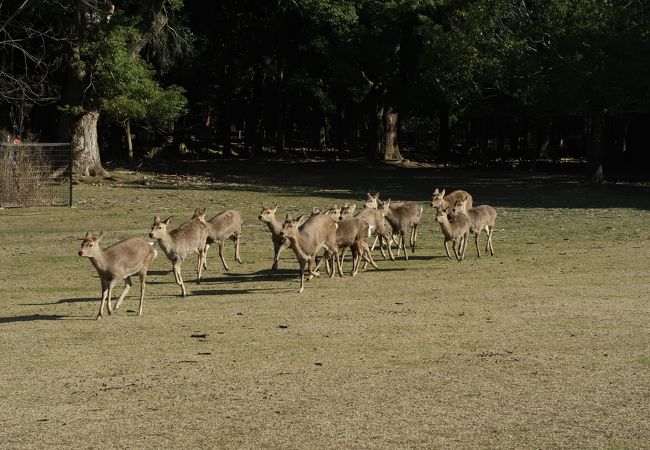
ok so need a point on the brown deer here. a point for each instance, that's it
(267, 215)
(481, 218)
(402, 218)
(225, 225)
(455, 229)
(118, 262)
(354, 233)
(377, 222)
(347, 211)
(441, 201)
(317, 232)
(177, 244)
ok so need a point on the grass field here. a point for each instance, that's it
(544, 345)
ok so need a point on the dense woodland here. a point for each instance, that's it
(458, 81)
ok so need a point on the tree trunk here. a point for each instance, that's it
(129, 142)
(376, 133)
(444, 134)
(391, 146)
(85, 146)
(596, 145)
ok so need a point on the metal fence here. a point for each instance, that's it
(35, 174)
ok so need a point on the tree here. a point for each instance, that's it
(126, 89)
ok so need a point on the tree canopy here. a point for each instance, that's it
(479, 81)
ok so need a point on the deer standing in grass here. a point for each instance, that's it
(306, 241)
(223, 226)
(441, 201)
(402, 218)
(454, 229)
(481, 218)
(267, 215)
(354, 233)
(118, 262)
(377, 222)
(177, 244)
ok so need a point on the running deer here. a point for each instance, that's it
(223, 226)
(481, 218)
(118, 262)
(377, 222)
(354, 233)
(455, 229)
(177, 244)
(267, 215)
(347, 211)
(441, 201)
(402, 218)
(319, 231)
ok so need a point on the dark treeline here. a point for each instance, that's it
(482, 81)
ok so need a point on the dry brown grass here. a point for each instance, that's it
(544, 345)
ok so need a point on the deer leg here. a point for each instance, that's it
(179, 277)
(101, 304)
(223, 261)
(143, 276)
(375, 243)
(111, 285)
(447, 248)
(402, 241)
(476, 238)
(302, 277)
(127, 286)
(390, 248)
(199, 267)
(237, 257)
(368, 257)
(490, 230)
(205, 256)
(465, 239)
(356, 260)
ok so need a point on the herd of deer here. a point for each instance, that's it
(335, 230)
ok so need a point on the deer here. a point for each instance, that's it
(118, 262)
(354, 233)
(306, 241)
(481, 218)
(225, 225)
(267, 215)
(377, 221)
(402, 218)
(440, 201)
(455, 229)
(190, 237)
(347, 211)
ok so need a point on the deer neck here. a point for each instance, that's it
(274, 226)
(166, 243)
(297, 243)
(99, 261)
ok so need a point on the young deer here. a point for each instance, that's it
(354, 233)
(225, 225)
(267, 215)
(347, 211)
(440, 201)
(481, 218)
(377, 222)
(306, 240)
(177, 244)
(402, 218)
(456, 230)
(118, 262)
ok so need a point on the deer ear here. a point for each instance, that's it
(99, 236)
(288, 217)
(157, 219)
(88, 235)
(443, 193)
(436, 191)
(168, 220)
(302, 216)
(275, 208)
(353, 207)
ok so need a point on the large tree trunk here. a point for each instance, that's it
(391, 146)
(596, 145)
(85, 146)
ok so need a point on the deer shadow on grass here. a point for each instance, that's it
(34, 317)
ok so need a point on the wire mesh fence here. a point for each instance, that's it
(35, 174)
